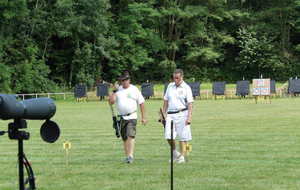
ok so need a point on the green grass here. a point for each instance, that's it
(237, 145)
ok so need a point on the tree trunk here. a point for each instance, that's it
(45, 47)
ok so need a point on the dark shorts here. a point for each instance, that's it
(128, 128)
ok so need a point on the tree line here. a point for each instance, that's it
(46, 45)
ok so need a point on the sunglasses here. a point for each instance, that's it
(125, 79)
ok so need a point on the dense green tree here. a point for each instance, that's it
(49, 44)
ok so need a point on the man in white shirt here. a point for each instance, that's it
(127, 97)
(178, 101)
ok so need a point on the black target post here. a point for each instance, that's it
(172, 148)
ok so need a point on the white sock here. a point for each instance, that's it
(176, 153)
(181, 157)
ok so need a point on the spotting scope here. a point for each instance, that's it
(32, 109)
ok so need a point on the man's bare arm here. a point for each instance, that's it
(189, 117)
(143, 113)
(112, 98)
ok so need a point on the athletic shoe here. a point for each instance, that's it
(125, 160)
(176, 154)
(130, 160)
(180, 160)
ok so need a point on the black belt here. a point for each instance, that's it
(126, 114)
(173, 112)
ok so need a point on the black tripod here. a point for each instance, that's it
(15, 133)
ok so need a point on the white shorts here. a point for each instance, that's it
(179, 128)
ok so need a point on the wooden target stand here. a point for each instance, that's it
(82, 99)
(266, 98)
(215, 97)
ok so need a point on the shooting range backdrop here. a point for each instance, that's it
(294, 86)
(195, 86)
(219, 88)
(242, 88)
(147, 90)
(102, 89)
(273, 87)
(80, 91)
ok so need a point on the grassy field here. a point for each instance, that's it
(237, 145)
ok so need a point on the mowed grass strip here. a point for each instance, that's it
(237, 145)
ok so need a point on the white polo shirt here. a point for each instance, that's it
(127, 101)
(178, 97)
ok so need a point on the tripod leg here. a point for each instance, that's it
(21, 167)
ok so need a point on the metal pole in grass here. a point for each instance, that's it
(172, 148)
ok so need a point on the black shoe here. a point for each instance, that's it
(130, 160)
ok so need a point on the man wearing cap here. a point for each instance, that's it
(127, 97)
(178, 101)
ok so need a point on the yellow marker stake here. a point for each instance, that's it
(67, 146)
(187, 150)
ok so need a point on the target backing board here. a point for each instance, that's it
(261, 87)
(102, 89)
(242, 88)
(195, 87)
(147, 90)
(219, 88)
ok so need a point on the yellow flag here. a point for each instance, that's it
(67, 145)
